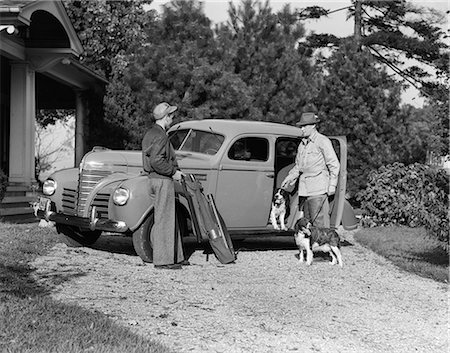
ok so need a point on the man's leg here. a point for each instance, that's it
(302, 208)
(319, 211)
(163, 231)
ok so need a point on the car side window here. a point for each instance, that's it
(177, 137)
(196, 141)
(250, 149)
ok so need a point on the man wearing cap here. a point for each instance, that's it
(316, 168)
(160, 164)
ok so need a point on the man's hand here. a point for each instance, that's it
(178, 175)
(331, 190)
(288, 181)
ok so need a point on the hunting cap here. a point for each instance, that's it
(163, 109)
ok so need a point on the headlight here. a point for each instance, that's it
(49, 187)
(121, 196)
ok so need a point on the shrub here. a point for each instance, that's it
(3, 184)
(413, 195)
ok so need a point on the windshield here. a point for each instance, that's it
(188, 140)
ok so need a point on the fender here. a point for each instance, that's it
(138, 206)
(140, 203)
(65, 178)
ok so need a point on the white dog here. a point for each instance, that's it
(280, 209)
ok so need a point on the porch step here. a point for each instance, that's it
(11, 211)
(15, 206)
(18, 199)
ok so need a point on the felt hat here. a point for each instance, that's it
(308, 118)
(163, 109)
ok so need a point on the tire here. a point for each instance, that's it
(141, 240)
(141, 237)
(74, 237)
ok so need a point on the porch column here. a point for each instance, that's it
(22, 125)
(80, 118)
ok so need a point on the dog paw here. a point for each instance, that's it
(284, 228)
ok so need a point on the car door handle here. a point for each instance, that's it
(270, 175)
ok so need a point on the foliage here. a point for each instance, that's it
(414, 195)
(262, 48)
(362, 102)
(260, 66)
(248, 69)
(46, 117)
(397, 30)
(110, 32)
(410, 41)
(108, 28)
(3, 184)
(162, 70)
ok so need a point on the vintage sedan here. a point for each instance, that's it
(240, 163)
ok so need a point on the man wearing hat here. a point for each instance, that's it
(160, 164)
(316, 168)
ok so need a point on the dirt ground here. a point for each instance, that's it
(266, 302)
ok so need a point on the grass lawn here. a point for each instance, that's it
(31, 321)
(409, 249)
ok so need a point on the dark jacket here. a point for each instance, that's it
(158, 155)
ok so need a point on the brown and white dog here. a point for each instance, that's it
(280, 209)
(312, 239)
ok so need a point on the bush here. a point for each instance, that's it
(3, 184)
(414, 195)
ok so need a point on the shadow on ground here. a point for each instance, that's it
(124, 245)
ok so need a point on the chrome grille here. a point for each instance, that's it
(101, 204)
(74, 201)
(69, 201)
(87, 181)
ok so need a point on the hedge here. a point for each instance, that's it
(413, 195)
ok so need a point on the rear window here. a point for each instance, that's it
(189, 140)
(250, 149)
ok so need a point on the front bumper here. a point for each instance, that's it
(92, 223)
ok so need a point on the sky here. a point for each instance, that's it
(336, 23)
(217, 11)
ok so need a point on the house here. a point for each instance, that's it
(39, 69)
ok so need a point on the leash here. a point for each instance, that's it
(320, 209)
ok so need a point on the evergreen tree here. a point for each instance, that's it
(261, 47)
(410, 41)
(361, 102)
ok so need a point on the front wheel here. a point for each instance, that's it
(141, 237)
(75, 237)
(141, 240)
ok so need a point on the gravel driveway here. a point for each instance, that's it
(266, 302)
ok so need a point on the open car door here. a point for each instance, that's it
(207, 222)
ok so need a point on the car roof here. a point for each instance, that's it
(228, 126)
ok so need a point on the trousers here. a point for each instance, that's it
(162, 234)
(316, 209)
